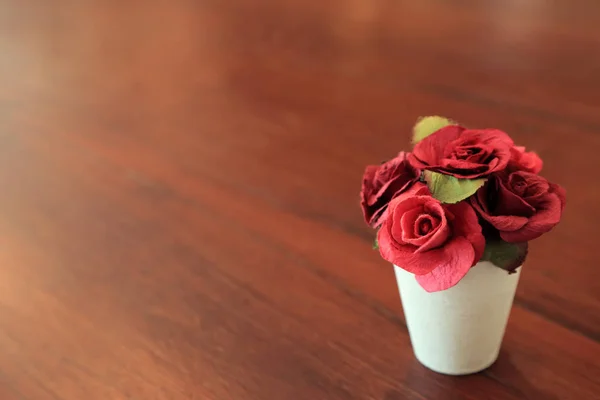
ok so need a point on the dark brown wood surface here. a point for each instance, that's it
(179, 212)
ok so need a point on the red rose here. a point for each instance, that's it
(381, 183)
(463, 153)
(522, 160)
(437, 242)
(521, 205)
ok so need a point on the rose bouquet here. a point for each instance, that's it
(455, 216)
(461, 196)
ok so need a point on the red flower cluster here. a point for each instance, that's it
(438, 241)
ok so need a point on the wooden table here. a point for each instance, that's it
(179, 213)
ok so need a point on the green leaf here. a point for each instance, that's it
(375, 243)
(428, 125)
(449, 189)
(508, 256)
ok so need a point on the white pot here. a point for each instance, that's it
(459, 331)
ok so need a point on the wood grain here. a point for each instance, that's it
(179, 216)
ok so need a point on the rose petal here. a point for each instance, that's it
(493, 164)
(382, 203)
(543, 221)
(429, 220)
(417, 239)
(419, 189)
(413, 189)
(496, 143)
(367, 188)
(476, 159)
(525, 161)
(428, 150)
(481, 205)
(493, 138)
(561, 193)
(479, 200)
(531, 162)
(532, 188)
(381, 183)
(378, 217)
(433, 207)
(407, 223)
(506, 222)
(389, 248)
(397, 180)
(403, 255)
(421, 263)
(459, 255)
(462, 165)
(466, 224)
(509, 203)
(439, 237)
(440, 148)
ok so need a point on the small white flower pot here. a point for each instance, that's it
(459, 331)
